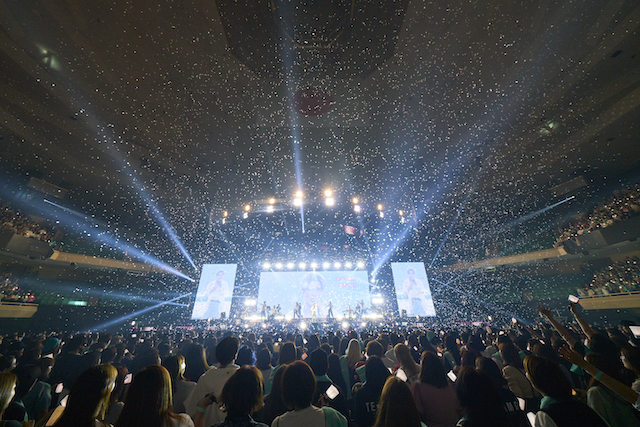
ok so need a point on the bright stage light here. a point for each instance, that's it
(326, 265)
(379, 207)
(363, 324)
(328, 193)
(302, 265)
(303, 326)
(264, 326)
(245, 215)
(133, 323)
(400, 212)
(336, 265)
(360, 264)
(356, 208)
(339, 317)
(314, 265)
(297, 202)
(345, 325)
(279, 266)
(224, 221)
(355, 200)
(225, 214)
(348, 265)
(381, 214)
(266, 265)
(251, 302)
(247, 208)
(329, 201)
(299, 194)
(272, 201)
(377, 300)
(269, 209)
(290, 265)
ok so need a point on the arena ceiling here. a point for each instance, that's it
(434, 103)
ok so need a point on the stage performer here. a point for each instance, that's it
(297, 314)
(312, 286)
(263, 312)
(330, 311)
(314, 312)
(216, 292)
(417, 294)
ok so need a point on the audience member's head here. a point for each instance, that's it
(318, 362)
(226, 350)
(298, 385)
(397, 407)
(242, 393)
(547, 378)
(287, 353)
(479, 398)
(432, 371)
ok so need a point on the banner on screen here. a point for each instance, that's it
(214, 291)
(412, 289)
(337, 290)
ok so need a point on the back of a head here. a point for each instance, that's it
(479, 398)
(396, 406)
(374, 348)
(287, 353)
(318, 362)
(376, 372)
(175, 365)
(8, 383)
(354, 352)
(242, 393)
(246, 356)
(226, 350)
(432, 371)
(547, 377)
(263, 361)
(298, 385)
(148, 400)
(89, 396)
(510, 355)
(490, 369)
(403, 355)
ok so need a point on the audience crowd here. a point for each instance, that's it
(620, 277)
(21, 224)
(10, 290)
(508, 376)
(623, 205)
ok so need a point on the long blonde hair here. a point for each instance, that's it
(8, 383)
(403, 355)
(354, 353)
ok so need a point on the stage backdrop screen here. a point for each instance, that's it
(412, 289)
(340, 288)
(214, 291)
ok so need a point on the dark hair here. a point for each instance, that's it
(376, 372)
(374, 348)
(397, 407)
(298, 385)
(88, 397)
(510, 355)
(451, 345)
(632, 354)
(480, 398)
(312, 277)
(490, 369)
(242, 393)
(148, 400)
(334, 371)
(264, 359)
(175, 365)
(226, 350)
(318, 362)
(273, 404)
(432, 371)
(287, 353)
(196, 362)
(547, 378)
(246, 356)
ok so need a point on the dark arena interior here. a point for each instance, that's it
(174, 171)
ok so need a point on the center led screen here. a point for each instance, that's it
(214, 291)
(341, 289)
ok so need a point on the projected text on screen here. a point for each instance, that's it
(332, 292)
(412, 289)
(214, 291)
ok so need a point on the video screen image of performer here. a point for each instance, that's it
(214, 293)
(412, 289)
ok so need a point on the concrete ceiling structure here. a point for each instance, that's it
(193, 101)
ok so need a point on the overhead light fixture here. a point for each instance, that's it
(329, 201)
(302, 265)
(355, 200)
(348, 265)
(279, 266)
(326, 265)
(314, 265)
(380, 207)
(272, 201)
(336, 265)
(270, 209)
(356, 208)
(247, 208)
(290, 265)
(328, 193)
(266, 265)
(360, 264)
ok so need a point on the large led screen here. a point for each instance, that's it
(412, 289)
(214, 291)
(336, 289)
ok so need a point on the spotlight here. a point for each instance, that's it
(328, 193)
(290, 265)
(279, 266)
(490, 318)
(379, 207)
(355, 200)
(299, 194)
(326, 265)
(356, 208)
(251, 302)
(360, 264)
(329, 201)
(272, 201)
(336, 265)
(224, 221)
(400, 212)
(225, 214)
(270, 208)
(381, 214)
(302, 265)
(133, 323)
(363, 324)
(348, 265)
(345, 325)
(266, 266)
(297, 202)
(247, 208)
(314, 265)
(377, 300)
(303, 326)
(245, 215)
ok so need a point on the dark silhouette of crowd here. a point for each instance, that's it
(552, 373)
(619, 277)
(623, 205)
(21, 224)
